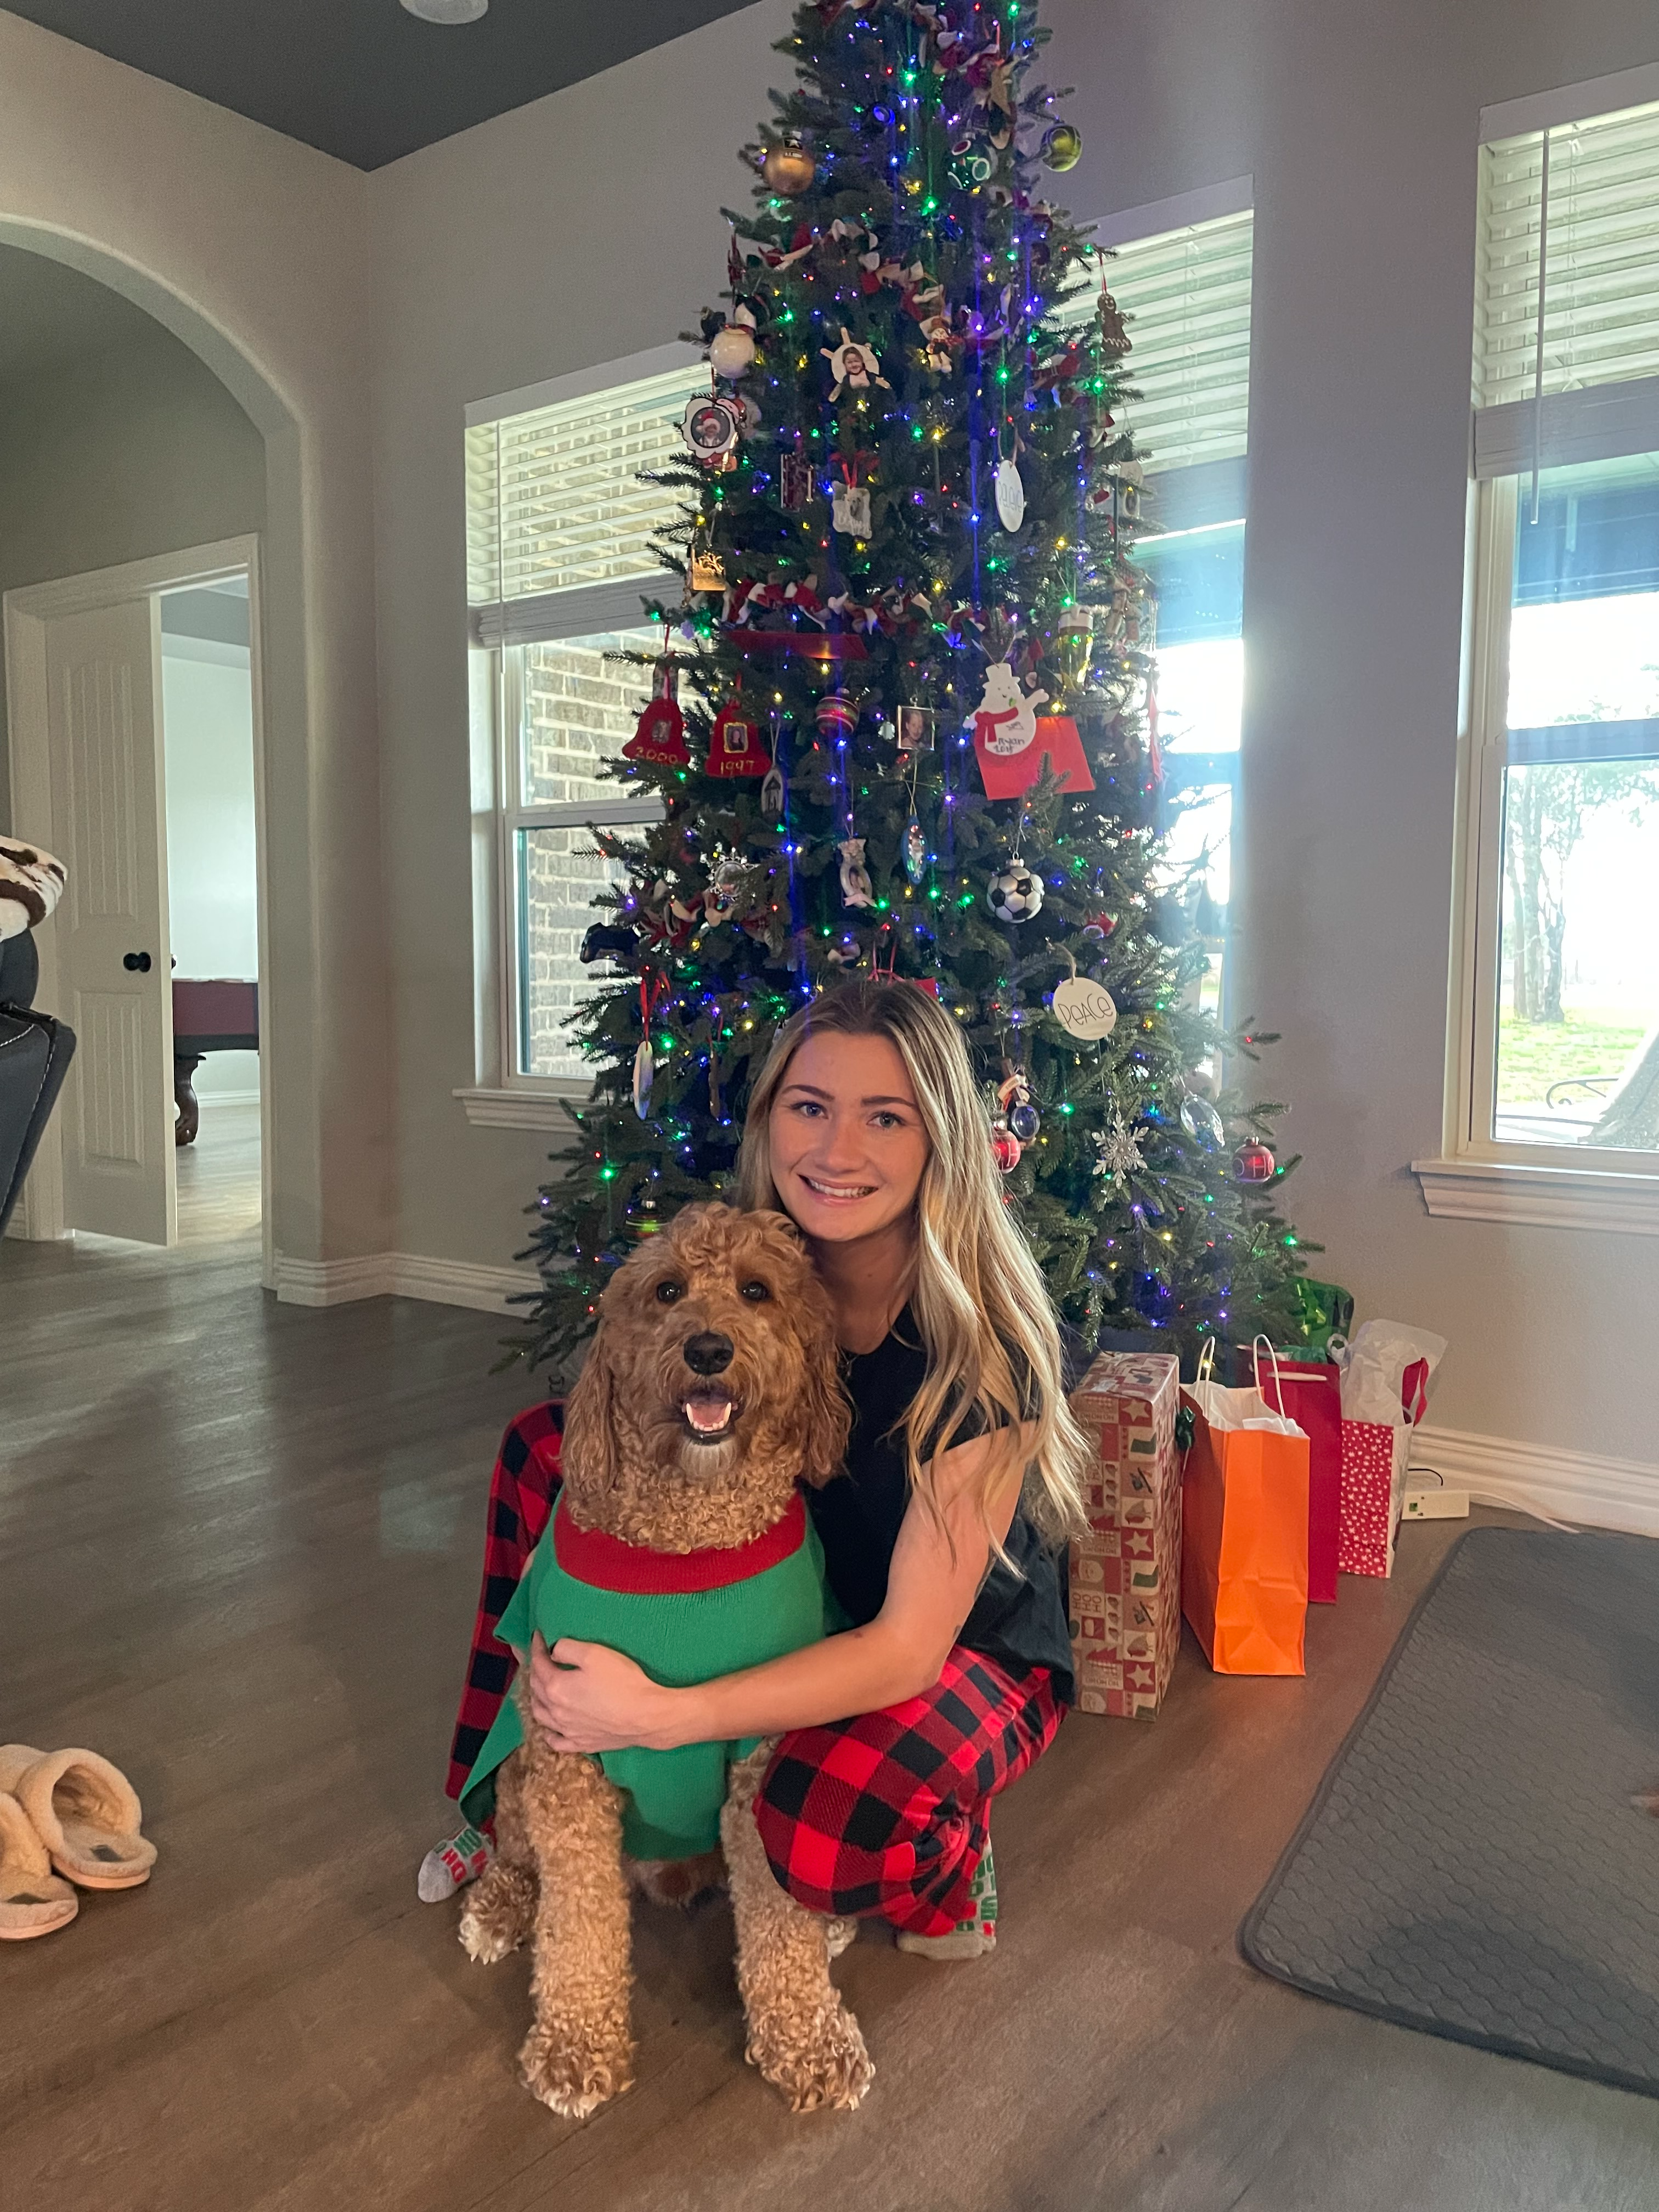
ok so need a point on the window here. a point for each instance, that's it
(558, 543)
(559, 562)
(1557, 1011)
(1185, 291)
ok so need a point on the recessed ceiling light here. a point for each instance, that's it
(447, 11)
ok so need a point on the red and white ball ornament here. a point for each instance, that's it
(837, 715)
(1253, 1163)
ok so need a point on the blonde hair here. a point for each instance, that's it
(979, 1298)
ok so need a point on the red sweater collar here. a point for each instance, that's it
(606, 1562)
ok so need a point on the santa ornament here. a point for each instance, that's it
(659, 737)
(735, 746)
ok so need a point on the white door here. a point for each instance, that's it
(104, 726)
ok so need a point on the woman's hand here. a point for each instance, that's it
(584, 1697)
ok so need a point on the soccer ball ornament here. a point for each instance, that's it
(1254, 1164)
(1016, 893)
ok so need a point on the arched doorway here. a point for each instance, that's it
(271, 555)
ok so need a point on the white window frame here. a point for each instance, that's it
(1478, 1176)
(1194, 495)
(500, 1097)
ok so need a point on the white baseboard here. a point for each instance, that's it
(400, 1275)
(1543, 1479)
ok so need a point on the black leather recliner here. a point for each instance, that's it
(34, 1057)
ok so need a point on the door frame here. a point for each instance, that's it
(26, 612)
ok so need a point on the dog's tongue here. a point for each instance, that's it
(708, 1413)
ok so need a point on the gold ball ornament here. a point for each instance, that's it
(788, 170)
(1062, 146)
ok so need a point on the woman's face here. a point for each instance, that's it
(846, 1137)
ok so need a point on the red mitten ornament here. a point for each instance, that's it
(660, 736)
(735, 745)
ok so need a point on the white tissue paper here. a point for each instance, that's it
(1374, 1365)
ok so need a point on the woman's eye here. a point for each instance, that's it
(757, 1293)
(668, 1292)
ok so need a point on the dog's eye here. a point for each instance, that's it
(756, 1292)
(668, 1291)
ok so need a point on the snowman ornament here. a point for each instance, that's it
(1004, 720)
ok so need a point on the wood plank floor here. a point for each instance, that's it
(238, 1552)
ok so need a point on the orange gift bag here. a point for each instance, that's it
(1245, 1530)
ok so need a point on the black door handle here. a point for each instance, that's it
(137, 962)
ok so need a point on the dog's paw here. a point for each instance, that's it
(817, 2064)
(575, 2078)
(499, 1913)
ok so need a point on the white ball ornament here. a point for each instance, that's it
(1016, 893)
(731, 351)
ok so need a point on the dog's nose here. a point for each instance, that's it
(707, 1352)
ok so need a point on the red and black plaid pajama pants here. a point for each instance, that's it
(885, 1815)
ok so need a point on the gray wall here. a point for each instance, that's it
(586, 226)
(137, 450)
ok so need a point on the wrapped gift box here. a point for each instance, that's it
(1126, 1570)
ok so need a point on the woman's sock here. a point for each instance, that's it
(973, 1935)
(458, 1859)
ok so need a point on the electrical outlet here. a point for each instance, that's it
(1434, 1503)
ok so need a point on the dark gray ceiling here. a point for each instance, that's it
(363, 79)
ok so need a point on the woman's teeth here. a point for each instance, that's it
(838, 1190)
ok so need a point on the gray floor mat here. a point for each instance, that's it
(1472, 1864)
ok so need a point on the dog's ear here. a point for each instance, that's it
(588, 1452)
(826, 1414)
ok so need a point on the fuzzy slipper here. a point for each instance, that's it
(33, 1900)
(84, 1811)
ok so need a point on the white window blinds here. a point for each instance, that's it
(554, 507)
(1187, 296)
(1574, 220)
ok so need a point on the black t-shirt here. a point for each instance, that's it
(1018, 1617)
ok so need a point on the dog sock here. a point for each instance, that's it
(458, 1859)
(976, 1933)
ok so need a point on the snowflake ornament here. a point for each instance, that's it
(1119, 1146)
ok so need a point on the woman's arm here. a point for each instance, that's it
(586, 1698)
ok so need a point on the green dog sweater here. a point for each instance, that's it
(686, 1616)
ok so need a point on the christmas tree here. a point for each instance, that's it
(904, 718)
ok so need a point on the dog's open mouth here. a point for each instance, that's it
(708, 1415)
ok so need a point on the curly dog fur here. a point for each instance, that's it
(636, 1467)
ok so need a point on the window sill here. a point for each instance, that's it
(1540, 1197)
(523, 1109)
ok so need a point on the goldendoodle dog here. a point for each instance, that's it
(681, 1536)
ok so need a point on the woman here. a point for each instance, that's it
(866, 1129)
